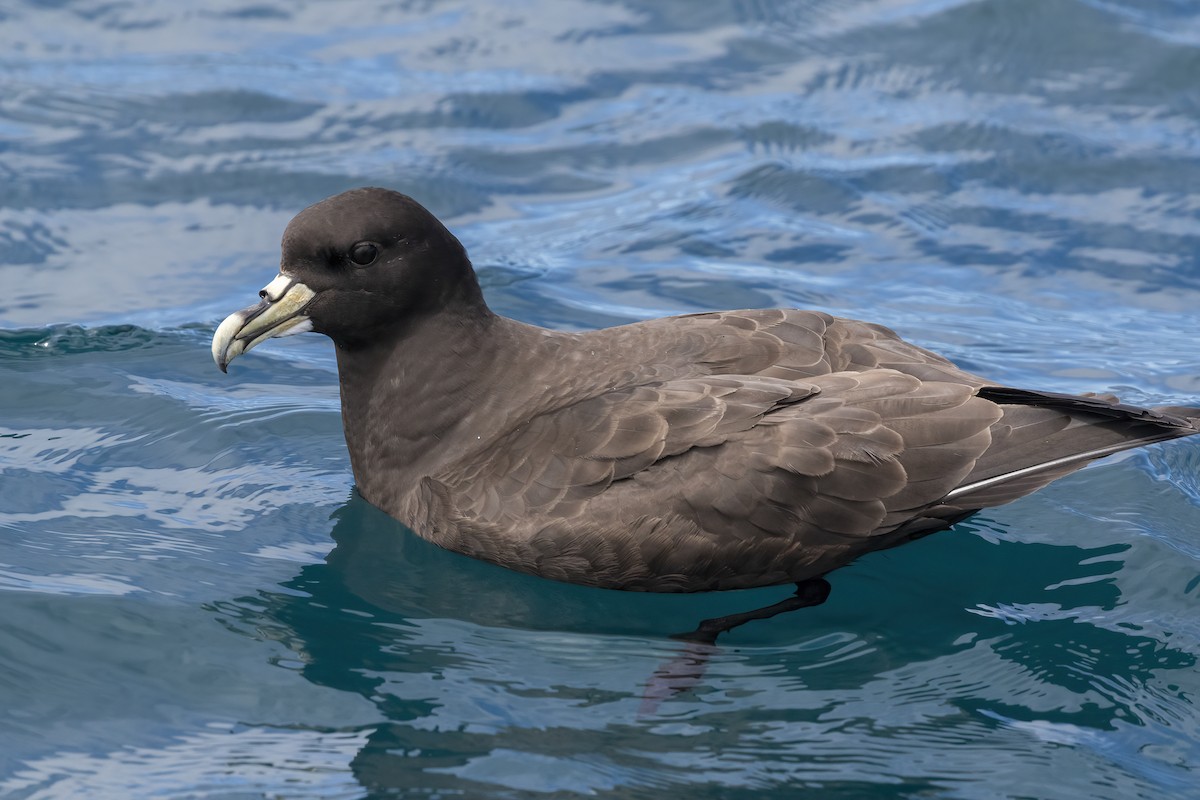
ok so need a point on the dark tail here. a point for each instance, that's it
(1043, 436)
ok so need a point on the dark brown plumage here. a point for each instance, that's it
(707, 451)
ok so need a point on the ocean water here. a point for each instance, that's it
(195, 604)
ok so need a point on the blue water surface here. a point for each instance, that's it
(193, 602)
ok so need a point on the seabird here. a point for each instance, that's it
(701, 452)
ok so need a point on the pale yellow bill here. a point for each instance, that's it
(278, 314)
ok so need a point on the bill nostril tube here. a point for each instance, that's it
(274, 291)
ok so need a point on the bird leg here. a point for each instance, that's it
(683, 672)
(811, 592)
(686, 670)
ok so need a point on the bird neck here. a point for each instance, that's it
(407, 397)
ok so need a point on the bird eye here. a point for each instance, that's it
(364, 253)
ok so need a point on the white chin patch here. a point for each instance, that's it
(303, 325)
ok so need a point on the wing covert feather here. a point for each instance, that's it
(834, 456)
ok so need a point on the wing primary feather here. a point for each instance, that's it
(1046, 466)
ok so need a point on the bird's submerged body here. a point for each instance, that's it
(703, 452)
(710, 451)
